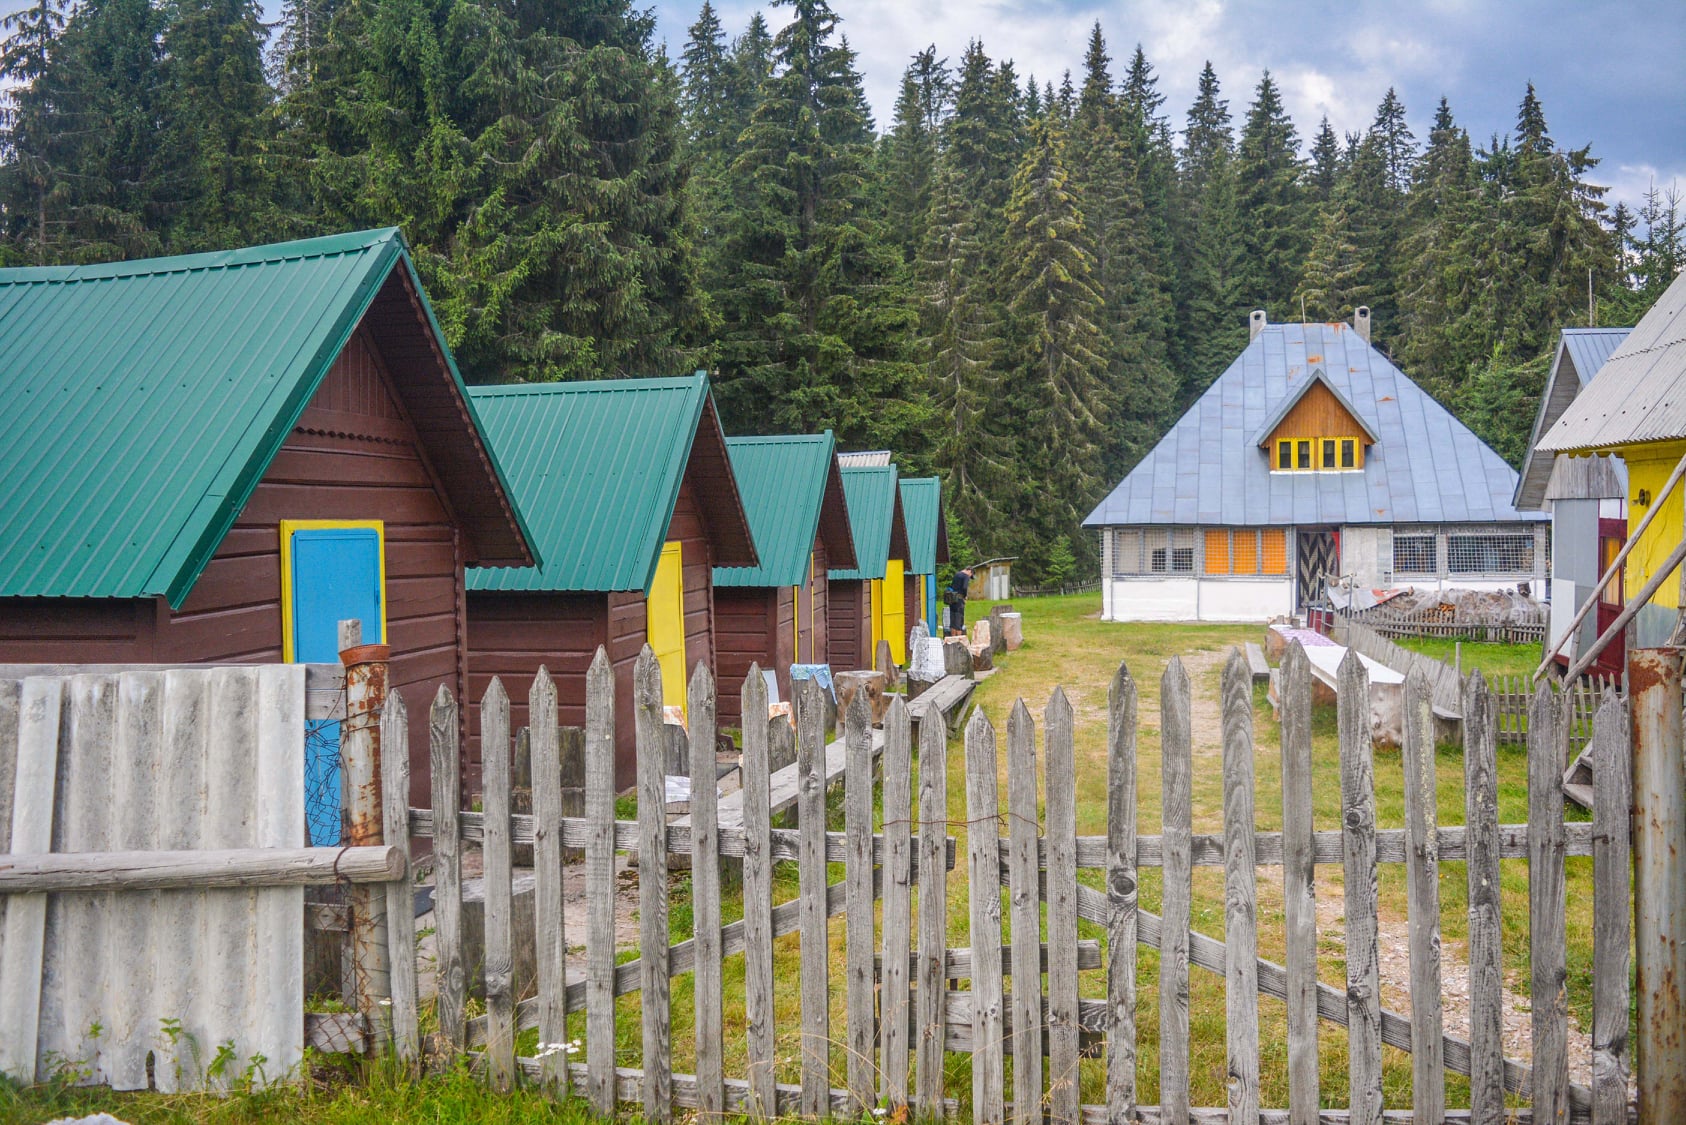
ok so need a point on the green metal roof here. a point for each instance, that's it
(596, 469)
(785, 482)
(146, 399)
(875, 519)
(927, 535)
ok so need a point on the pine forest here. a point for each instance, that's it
(1017, 282)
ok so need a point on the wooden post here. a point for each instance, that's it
(452, 973)
(757, 900)
(898, 900)
(983, 865)
(1299, 887)
(600, 884)
(1611, 883)
(1241, 946)
(1177, 805)
(860, 1027)
(1025, 916)
(1659, 882)
(1060, 798)
(1546, 906)
(400, 893)
(545, 747)
(705, 897)
(654, 944)
(1358, 858)
(495, 761)
(1422, 874)
(1122, 899)
(811, 885)
(360, 773)
(933, 910)
(1486, 953)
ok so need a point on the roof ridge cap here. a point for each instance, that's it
(237, 257)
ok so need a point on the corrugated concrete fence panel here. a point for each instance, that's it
(208, 983)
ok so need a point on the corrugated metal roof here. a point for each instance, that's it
(875, 519)
(1425, 467)
(783, 484)
(864, 459)
(1580, 353)
(927, 537)
(1639, 394)
(144, 401)
(596, 468)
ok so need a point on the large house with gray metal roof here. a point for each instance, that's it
(1311, 461)
(1586, 497)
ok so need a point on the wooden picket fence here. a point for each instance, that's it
(909, 999)
(1513, 696)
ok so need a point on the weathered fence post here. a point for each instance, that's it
(360, 757)
(1060, 801)
(545, 747)
(451, 971)
(983, 865)
(898, 900)
(600, 884)
(757, 900)
(1241, 928)
(495, 762)
(933, 910)
(1122, 900)
(400, 894)
(1486, 954)
(1612, 900)
(1422, 874)
(811, 884)
(705, 897)
(1546, 905)
(860, 1027)
(1358, 856)
(1024, 916)
(654, 952)
(1177, 815)
(1299, 887)
(1659, 881)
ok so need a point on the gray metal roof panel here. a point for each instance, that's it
(1580, 353)
(1639, 394)
(1426, 467)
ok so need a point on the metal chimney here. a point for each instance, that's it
(1255, 324)
(1361, 321)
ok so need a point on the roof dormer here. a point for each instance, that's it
(1316, 429)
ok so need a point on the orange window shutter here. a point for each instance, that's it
(1217, 551)
(1246, 552)
(1273, 553)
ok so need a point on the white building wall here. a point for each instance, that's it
(1362, 555)
(1198, 599)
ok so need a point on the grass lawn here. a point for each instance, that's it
(1491, 659)
(1065, 644)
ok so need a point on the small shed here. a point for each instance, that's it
(927, 543)
(1632, 409)
(774, 614)
(859, 613)
(1586, 497)
(628, 488)
(214, 458)
(992, 580)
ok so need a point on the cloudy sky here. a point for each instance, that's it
(1610, 72)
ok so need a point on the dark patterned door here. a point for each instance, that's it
(1319, 559)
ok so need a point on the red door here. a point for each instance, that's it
(1611, 535)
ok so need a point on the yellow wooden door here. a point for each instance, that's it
(875, 614)
(895, 610)
(664, 623)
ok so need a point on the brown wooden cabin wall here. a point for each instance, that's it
(753, 625)
(847, 620)
(354, 454)
(814, 630)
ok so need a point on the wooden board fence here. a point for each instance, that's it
(908, 1000)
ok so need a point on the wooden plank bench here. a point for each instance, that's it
(948, 696)
(1257, 663)
(783, 785)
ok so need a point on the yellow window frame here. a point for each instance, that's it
(665, 605)
(288, 654)
(1285, 454)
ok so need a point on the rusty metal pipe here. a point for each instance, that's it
(1659, 881)
(360, 774)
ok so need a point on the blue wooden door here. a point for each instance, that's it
(333, 573)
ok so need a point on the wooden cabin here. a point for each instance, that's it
(628, 489)
(216, 458)
(774, 614)
(927, 542)
(859, 613)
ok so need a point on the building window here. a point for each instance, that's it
(1348, 453)
(1490, 554)
(1273, 554)
(1153, 550)
(1302, 450)
(1328, 453)
(1414, 554)
(1285, 454)
(1217, 550)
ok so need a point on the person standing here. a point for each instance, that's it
(955, 596)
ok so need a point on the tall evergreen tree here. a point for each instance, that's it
(1271, 203)
(909, 151)
(1325, 164)
(1210, 305)
(30, 33)
(707, 70)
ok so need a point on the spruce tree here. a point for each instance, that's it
(30, 34)
(1271, 203)
(909, 151)
(1211, 309)
(1325, 164)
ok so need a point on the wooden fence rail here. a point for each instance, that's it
(901, 1013)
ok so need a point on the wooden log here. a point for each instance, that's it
(1177, 805)
(204, 869)
(1024, 916)
(1122, 899)
(1299, 886)
(705, 897)
(758, 899)
(1485, 948)
(36, 721)
(1422, 875)
(549, 933)
(452, 972)
(1363, 1001)
(1241, 923)
(860, 1028)
(811, 884)
(898, 902)
(1546, 906)
(654, 989)
(983, 864)
(933, 913)
(1611, 878)
(1060, 797)
(600, 883)
(500, 907)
